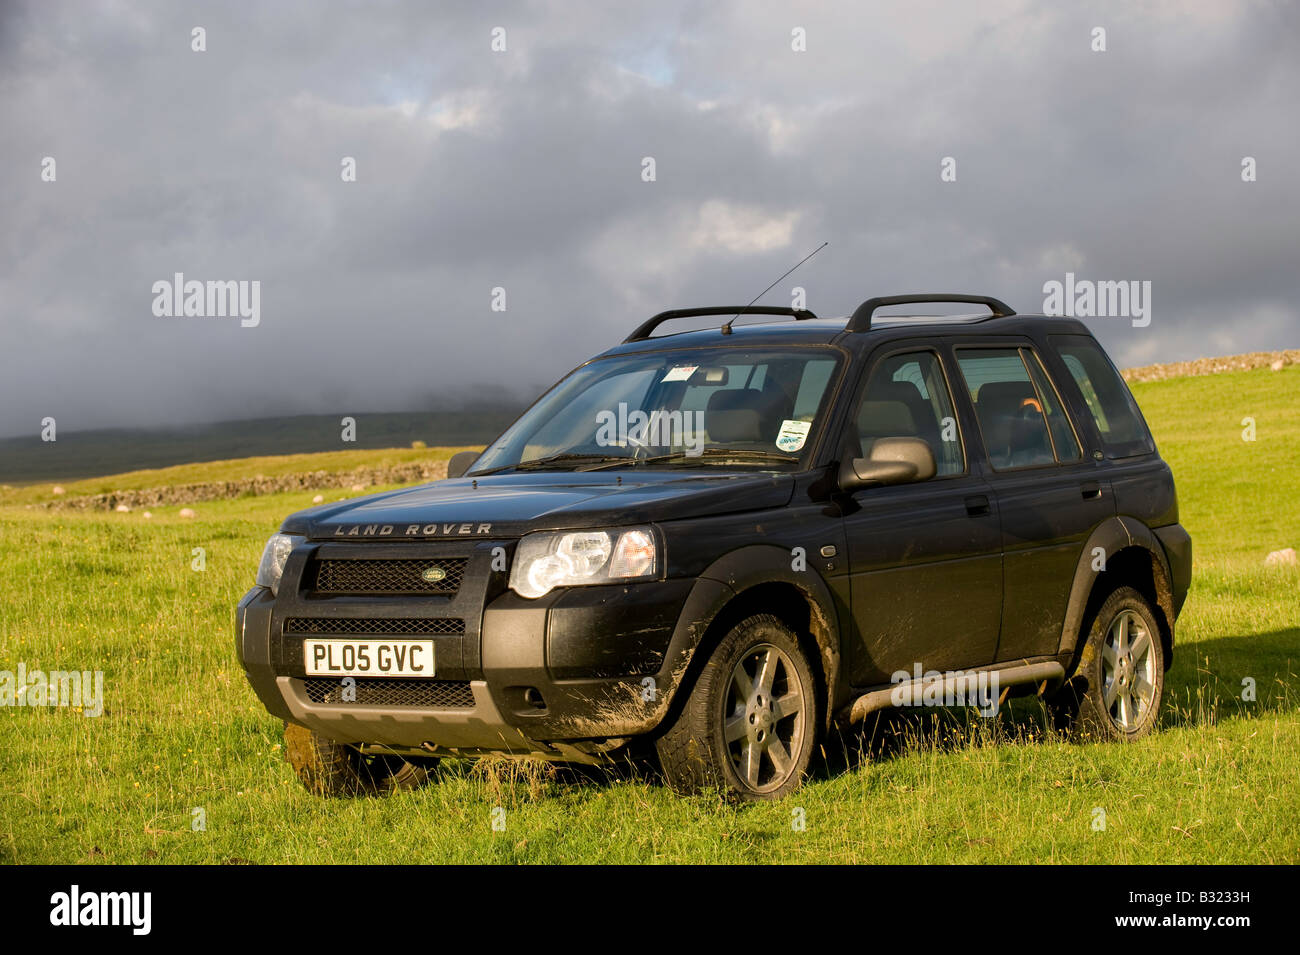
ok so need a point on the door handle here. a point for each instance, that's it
(1090, 490)
(977, 504)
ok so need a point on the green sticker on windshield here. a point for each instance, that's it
(792, 435)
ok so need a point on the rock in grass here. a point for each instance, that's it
(1281, 558)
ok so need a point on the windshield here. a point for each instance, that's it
(759, 408)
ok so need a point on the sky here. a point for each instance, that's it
(523, 169)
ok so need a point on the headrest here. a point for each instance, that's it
(1004, 397)
(886, 419)
(731, 416)
(885, 389)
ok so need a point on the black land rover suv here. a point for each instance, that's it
(723, 540)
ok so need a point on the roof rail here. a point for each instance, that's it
(645, 328)
(861, 320)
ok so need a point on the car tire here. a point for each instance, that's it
(1117, 688)
(329, 768)
(749, 725)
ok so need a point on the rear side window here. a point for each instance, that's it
(1119, 422)
(1064, 442)
(1009, 407)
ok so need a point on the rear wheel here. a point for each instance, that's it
(1119, 684)
(329, 768)
(749, 724)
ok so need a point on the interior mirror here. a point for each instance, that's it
(460, 462)
(713, 375)
(892, 461)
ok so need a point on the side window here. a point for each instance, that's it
(1119, 422)
(1064, 441)
(1008, 406)
(907, 397)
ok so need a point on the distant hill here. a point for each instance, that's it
(86, 454)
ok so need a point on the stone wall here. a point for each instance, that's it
(1276, 360)
(224, 490)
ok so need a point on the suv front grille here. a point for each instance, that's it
(438, 694)
(358, 626)
(397, 576)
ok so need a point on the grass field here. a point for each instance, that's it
(182, 731)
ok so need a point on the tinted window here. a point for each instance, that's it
(563, 431)
(812, 385)
(697, 407)
(1064, 441)
(1119, 422)
(1008, 406)
(696, 396)
(907, 397)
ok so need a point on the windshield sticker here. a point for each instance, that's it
(680, 373)
(792, 435)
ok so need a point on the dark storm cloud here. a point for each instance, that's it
(522, 169)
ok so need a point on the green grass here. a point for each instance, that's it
(183, 730)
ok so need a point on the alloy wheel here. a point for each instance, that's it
(1128, 670)
(764, 719)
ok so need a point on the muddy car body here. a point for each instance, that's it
(872, 502)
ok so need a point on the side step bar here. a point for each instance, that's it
(1015, 675)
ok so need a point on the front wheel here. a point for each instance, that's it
(750, 722)
(1119, 684)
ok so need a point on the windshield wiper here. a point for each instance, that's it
(599, 462)
(743, 454)
(563, 458)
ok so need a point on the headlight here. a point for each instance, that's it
(276, 553)
(548, 560)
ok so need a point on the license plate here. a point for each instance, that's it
(407, 658)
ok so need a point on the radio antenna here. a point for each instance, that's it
(726, 329)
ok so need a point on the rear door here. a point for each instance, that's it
(1050, 497)
(924, 559)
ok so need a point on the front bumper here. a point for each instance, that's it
(603, 661)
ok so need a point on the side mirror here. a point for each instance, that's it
(892, 461)
(460, 462)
